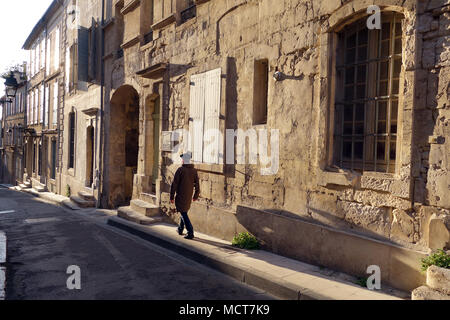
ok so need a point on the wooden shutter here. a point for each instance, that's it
(212, 142)
(68, 76)
(41, 104)
(197, 113)
(93, 51)
(48, 65)
(83, 54)
(55, 104)
(56, 50)
(47, 106)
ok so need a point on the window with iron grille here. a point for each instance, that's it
(71, 140)
(368, 68)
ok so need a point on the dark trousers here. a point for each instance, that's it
(185, 221)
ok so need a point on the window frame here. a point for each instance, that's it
(327, 175)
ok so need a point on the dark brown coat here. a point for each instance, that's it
(186, 179)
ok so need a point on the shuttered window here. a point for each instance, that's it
(55, 104)
(205, 138)
(41, 104)
(56, 50)
(46, 106)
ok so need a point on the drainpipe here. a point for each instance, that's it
(102, 92)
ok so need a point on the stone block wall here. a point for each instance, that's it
(406, 207)
(409, 208)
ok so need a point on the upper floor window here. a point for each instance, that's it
(368, 69)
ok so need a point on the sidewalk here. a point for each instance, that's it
(280, 276)
(277, 275)
(2, 264)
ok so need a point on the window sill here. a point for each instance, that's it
(214, 168)
(164, 22)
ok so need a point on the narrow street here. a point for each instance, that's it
(44, 240)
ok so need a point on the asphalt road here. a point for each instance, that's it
(45, 239)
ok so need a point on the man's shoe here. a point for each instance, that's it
(180, 232)
(189, 237)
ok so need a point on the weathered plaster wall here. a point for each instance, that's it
(410, 207)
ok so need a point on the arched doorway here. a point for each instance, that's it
(124, 144)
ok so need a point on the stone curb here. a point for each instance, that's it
(2, 265)
(215, 259)
(243, 274)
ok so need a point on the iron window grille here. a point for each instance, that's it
(368, 69)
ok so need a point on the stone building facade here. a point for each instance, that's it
(362, 117)
(353, 121)
(12, 130)
(80, 121)
(42, 139)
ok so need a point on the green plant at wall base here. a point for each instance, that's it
(246, 241)
(68, 192)
(362, 282)
(439, 259)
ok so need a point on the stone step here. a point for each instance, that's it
(145, 208)
(70, 205)
(41, 188)
(149, 198)
(86, 196)
(425, 293)
(82, 203)
(439, 279)
(28, 184)
(130, 215)
(23, 186)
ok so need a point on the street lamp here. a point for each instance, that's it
(11, 86)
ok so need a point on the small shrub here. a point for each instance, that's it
(246, 241)
(362, 282)
(439, 259)
(68, 191)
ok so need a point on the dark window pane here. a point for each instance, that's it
(348, 128)
(384, 70)
(350, 56)
(393, 150)
(398, 29)
(359, 128)
(381, 149)
(398, 46)
(363, 36)
(362, 53)
(361, 92)
(351, 41)
(382, 109)
(362, 71)
(349, 93)
(386, 31)
(383, 88)
(385, 47)
(394, 112)
(348, 113)
(381, 127)
(347, 149)
(359, 150)
(396, 86)
(397, 67)
(350, 75)
(359, 115)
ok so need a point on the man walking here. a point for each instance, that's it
(186, 179)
